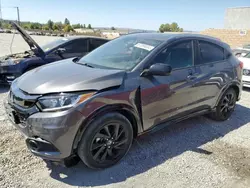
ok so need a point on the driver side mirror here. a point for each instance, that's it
(158, 69)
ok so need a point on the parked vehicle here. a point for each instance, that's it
(93, 107)
(14, 65)
(240, 52)
(7, 31)
(246, 69)
(246, 46)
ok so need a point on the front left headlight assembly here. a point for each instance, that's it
(62, 101)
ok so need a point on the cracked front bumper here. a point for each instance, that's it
(47, 135)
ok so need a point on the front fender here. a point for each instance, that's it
(125, 102)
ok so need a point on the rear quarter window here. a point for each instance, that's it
(210, 52)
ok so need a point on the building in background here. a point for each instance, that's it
(237, 18)
(82, 30)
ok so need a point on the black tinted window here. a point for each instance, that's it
(177, 56)
(95, 43)
(77, 46)
(210, 52)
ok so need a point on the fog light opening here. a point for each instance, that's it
(33, 145)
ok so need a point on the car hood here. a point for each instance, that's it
(32, 44)
(67, 76)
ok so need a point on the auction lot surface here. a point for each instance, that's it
(197, 152)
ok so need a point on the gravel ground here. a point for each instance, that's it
(197, 152)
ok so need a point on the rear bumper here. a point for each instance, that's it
(246, 81)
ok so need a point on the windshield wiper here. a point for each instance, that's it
(76, 60)
(87, 65)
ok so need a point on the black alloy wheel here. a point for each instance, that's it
(106, 141)
(225, 106)
(109, 142)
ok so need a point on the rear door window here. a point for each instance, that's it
(210, 52)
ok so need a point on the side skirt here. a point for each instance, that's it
(175, 120)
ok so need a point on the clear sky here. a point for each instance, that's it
(193, 15)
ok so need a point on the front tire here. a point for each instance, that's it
(225, 106)
(106, 141)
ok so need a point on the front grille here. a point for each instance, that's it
(246, 72)
(24, 102)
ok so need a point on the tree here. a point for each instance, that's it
(1, 23)
(89, 26)
(173, 27)
(76, 26)
(50, 24)
(112, 28)
(7, 25)
(68, 28)
(35, 26)
(58, 26)
(66, 21)
(25, 27)
(84, 26)
(55, 27)
(46, 27)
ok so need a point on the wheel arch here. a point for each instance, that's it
(125, 110)
(233, 85)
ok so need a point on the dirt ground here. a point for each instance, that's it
(197, 152)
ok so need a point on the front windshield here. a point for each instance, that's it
(123, 53)
(53, 44)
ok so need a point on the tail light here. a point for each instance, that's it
(241, 65)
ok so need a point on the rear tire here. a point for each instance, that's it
(106, 141)
(225, 106)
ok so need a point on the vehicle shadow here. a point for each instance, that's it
(154, 149)
(4, 88)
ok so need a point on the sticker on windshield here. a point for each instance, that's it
(144, 46)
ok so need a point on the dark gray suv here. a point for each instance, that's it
(93, 107)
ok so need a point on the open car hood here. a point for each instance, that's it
(32, 44)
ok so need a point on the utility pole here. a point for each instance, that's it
(18, 16)
(1, 11)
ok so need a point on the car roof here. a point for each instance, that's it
(167, 37)
(84, 37)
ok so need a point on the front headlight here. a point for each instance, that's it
(7, 63)
(62, 101)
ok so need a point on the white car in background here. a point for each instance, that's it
(246, 69)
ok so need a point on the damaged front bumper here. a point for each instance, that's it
(47, 135)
